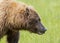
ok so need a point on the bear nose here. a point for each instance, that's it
(44, 30)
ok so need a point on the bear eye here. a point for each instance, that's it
(39, 19)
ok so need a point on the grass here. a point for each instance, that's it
(49, 12)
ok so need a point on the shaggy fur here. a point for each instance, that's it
(18, 16)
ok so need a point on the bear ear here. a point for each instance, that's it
(27, 12)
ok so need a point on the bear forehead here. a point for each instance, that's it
(15, 4)
(17, 7)
(20, 7)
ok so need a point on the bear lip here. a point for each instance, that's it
(40, 33)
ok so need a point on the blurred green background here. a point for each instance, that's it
(49, 12)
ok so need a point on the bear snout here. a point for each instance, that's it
(41, 29)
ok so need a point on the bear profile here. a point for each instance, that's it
(16, 16)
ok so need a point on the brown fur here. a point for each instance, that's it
(9, 12)
(18, 16)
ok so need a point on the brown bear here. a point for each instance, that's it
(18, 16)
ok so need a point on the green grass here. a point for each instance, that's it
(49, 12)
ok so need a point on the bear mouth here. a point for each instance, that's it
(40, 33)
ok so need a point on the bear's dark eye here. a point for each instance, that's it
(39, 19)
